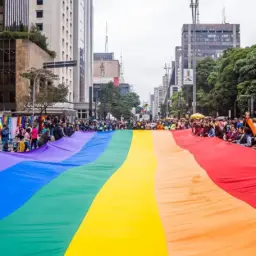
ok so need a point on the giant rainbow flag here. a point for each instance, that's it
(129, 193)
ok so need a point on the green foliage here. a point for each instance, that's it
(230, 79)
(33, 35)
(111, 101)
(47, 94)
(178, 106)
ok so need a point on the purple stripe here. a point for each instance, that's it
(52, 152)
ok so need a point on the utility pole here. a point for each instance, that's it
(167, 68)
(194, 7)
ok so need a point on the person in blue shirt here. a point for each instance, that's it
(211, 132)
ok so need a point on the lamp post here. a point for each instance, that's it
(194, 7)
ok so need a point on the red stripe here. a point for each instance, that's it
(231, 167)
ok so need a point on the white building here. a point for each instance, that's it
(83, 52)
(55, 19)
(68, 25)
(88, 46)
(159, 98)
(79, 51)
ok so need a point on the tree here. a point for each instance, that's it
(204, 68)
(111, 101)
(178, 107)
(46, 93)
(21, 32)
(231, 77)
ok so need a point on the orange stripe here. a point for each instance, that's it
(198, 217)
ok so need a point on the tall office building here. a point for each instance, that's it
(1, 15)
(13, 13)
(89, 12)
(55, 19)
(178, 66)
(159, 98)
(211, 41)
(79, 51)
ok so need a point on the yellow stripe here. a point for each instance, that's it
(124, 219)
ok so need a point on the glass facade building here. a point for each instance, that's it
(79, 51)
(211, 41)
(1, 15)
(7, 74)
(16, 12)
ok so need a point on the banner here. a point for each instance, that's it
(116, 81)
(188, 77)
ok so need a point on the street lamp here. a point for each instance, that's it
(194, 7)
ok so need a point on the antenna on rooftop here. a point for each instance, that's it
(198, 14)
(121, 68)
(106, 39)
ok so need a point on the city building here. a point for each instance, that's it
(19, 56)
(14, 13)
(89, 14)
(125, 88)
(178, 66)
(165, 81)
(211, 41)
(159, 99)
(55, 19)
(79, 51)
(83, 53)
(105, 71)
(1, 15)
(103, 56)
(151, 101)
(173, 87)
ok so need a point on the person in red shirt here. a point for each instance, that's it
(34, 135)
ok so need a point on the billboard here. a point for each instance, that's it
(116, 81)
(106, 69)
(188, 77)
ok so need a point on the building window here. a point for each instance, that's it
(39, 14)
(39, 26)
(12, 97)
(40, 2)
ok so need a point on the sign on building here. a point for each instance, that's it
(106, 69)
(116, 81)
(188, 77)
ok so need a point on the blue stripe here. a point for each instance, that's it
(22, 181)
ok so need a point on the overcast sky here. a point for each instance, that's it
(147, 32)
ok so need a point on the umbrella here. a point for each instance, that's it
(220, 118)
(197, 116)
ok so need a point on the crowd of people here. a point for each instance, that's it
(240, 131)
(32, 136)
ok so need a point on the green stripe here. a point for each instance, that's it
(46, 224)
